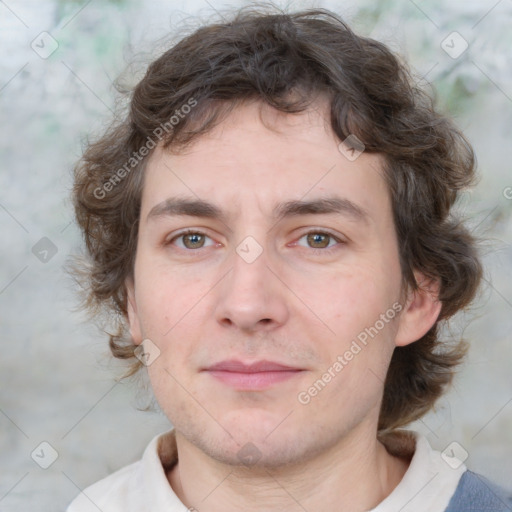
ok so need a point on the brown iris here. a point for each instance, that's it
(318, 240)
(193, 240)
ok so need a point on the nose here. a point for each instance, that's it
(251, 296)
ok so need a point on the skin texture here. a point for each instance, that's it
(298, 303)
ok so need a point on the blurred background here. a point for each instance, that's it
(59, 59)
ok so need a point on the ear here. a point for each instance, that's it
(420, 312)
(133, 316)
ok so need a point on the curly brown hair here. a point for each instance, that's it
(286, 60)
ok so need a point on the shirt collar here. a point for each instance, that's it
(427, 486)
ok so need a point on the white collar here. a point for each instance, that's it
(427, 486)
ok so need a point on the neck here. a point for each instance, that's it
(355, 475)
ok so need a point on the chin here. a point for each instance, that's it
(270, 454)
(256, 425)
(263, 440)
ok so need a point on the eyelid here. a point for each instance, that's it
(170, 239)
(322, 231)
(340, 240)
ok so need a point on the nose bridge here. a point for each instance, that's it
(250, 270)
(251, 296)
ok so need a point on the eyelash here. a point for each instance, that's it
(327, 250)
(184, 233)
(315, 250)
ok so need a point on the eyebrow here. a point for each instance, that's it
(326, 205)
(200, 208)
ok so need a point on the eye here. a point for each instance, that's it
(191, 240)
(319, 240)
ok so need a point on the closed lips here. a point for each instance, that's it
(256, 367)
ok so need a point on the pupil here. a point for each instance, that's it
(320, 239)
(194, 239)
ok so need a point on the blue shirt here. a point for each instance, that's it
(475, 493)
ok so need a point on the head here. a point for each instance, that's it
(299, 250)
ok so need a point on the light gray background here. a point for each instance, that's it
(57, 381)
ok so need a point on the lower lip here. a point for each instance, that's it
(253, 381)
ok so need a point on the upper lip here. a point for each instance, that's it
(233, 365)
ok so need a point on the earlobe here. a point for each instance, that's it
(132, 313)
(420, 312)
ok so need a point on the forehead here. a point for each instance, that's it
(258, 157)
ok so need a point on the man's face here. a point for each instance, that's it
(291, 284)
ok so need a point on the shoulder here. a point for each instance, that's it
(111, 494)
(140, 486)
(475, 492)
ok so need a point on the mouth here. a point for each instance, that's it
(251, 377)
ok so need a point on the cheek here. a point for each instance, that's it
(171, 310)
(351, 304)
(166, 298)
(347, 299)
